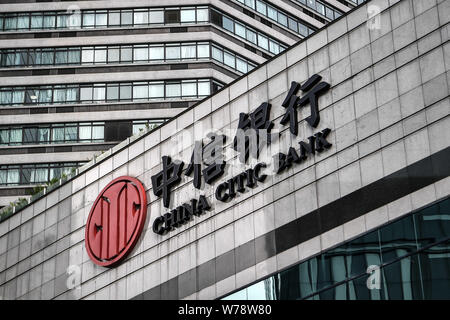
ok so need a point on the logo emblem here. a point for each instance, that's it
(116, 221)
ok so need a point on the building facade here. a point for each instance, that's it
(345, 197)
(78, 77)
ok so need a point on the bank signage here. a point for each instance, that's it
(115, 221)
(254, 132)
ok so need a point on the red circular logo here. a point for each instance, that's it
(116, 221)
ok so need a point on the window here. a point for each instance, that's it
(272, 13)
(156, 53)
(263, 42)
(113, 54)
(71, 133)
(251, 36)
(5, 97)
(47, 57)
(156, 90)
(240, 30)
(99, 93)
(112, 92)
(204, 88)
(89, 19)
(59, 95)
(203, 51)
(85, 133)
(126, 54)
(202, 15)
(241, 65)
(141, 53)
(229, 60)
(43, 135)
(187, 15)
(189, 89)
(18, 96)
(217, 54)
(141, 17)
(157, 16)
(114, 18)
(172, 52)
(261, 7)
(274, 47)
(61, 21)
(125, 91)
(172, 16)
(74, 56)
(61, 56)
(87, 55)
(173, 90)
(49, 20)
(58, 133)
(188, 52)
(101, 19)
(86, 94)
(140, 91)
(126, 18)
(4, 137)
(293, 25)
(282, 19)
(29, 135)
(37, 21)
(228, 24)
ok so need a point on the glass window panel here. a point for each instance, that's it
(4, 136)
(293, 25)
(86, 93)
(99, 93)
(202, 15)
(188, 52)
(75, 56)
(173, 90)
(114, 18)
(241, 65)
(329, 13)
(15, 136)
(157, 16)
(203, 51)
(140, 91)
(45, 95)
(72, 94)
(398, 239)
(87, 55)
(11, 59)
(58, 134)
(229, 60)
(61, 56)
(23, 22)
(101, 19)
(11, 23)
(189, 89)
(43, 135)
(172, 52)
(112, 93)
(274, 47)
(261, 7)
(435, 271)
(126, 54)
(47, 57)
(98, 133)
(125, 92)
(89, 19)
(156, 53)
(5, 97)
(204, 88)
(18, 96)
(30, 135)
(320, 8)
(127, 18)
(263, 42)
(138, 128)
(85, 133)
(27, 175)
(140, 53)
(240, 30)
(61, 21)
(303, 30)
(250, 3)
(59, 95)
(272, 13)
(71, 133)
(187, 15)
(141, 17)
(156, 90)
(49, 21)
(217, 54)
(55, 173)
(228, 24)
(172, 16)
(251, 36)
(3, 177)
(41, 175)
(282, 19)
(113, 54)
(13, 176)
(37, 21)
(74, 20)
(100, 55)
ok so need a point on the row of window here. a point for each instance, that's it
(322, 9)
(278, 16)
(26, 174)
(83, 132)
(109, 92)
(412, 254)
(53, 133)
(247, 33)
(122, 54)
(88, 19)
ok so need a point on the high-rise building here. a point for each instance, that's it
(78, 77)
